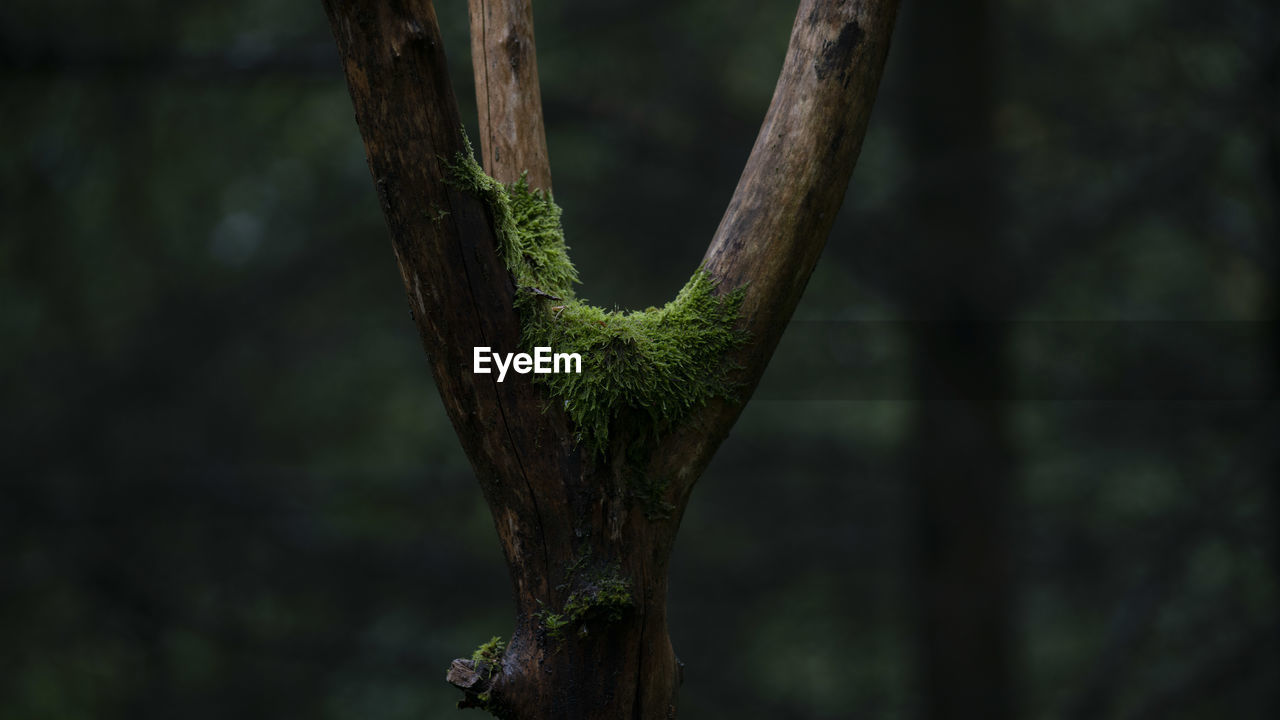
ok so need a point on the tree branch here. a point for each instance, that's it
(795, 179)
(504, 60)
(790, 191)
(580, 546)
(460, 292)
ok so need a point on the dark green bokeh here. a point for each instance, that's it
(229, 490)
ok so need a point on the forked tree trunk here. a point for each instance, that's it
(575, 533)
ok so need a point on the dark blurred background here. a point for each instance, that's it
(1015, 458)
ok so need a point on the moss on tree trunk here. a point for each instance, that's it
(587, 476)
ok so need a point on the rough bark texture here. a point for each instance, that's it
(570, 523)
(793, 185)
(504, 60)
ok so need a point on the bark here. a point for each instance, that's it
(508, 100)
(569, 525)
(791, 188)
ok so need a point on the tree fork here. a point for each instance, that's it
(588, 563)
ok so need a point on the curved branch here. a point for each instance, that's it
(794, 182)
(504, 60)
(789, 193)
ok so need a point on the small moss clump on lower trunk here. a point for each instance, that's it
(605, 596)
(655, 365)
(489, 653)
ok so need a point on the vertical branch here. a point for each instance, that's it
(460, 292)
(503, 57)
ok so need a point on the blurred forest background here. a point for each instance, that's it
(1016, 456)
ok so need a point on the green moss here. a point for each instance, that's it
(646, 369)
(554, 623)
(487, 663)
(605, 596)
(490, 653)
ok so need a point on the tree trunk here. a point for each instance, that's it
(587, 533)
